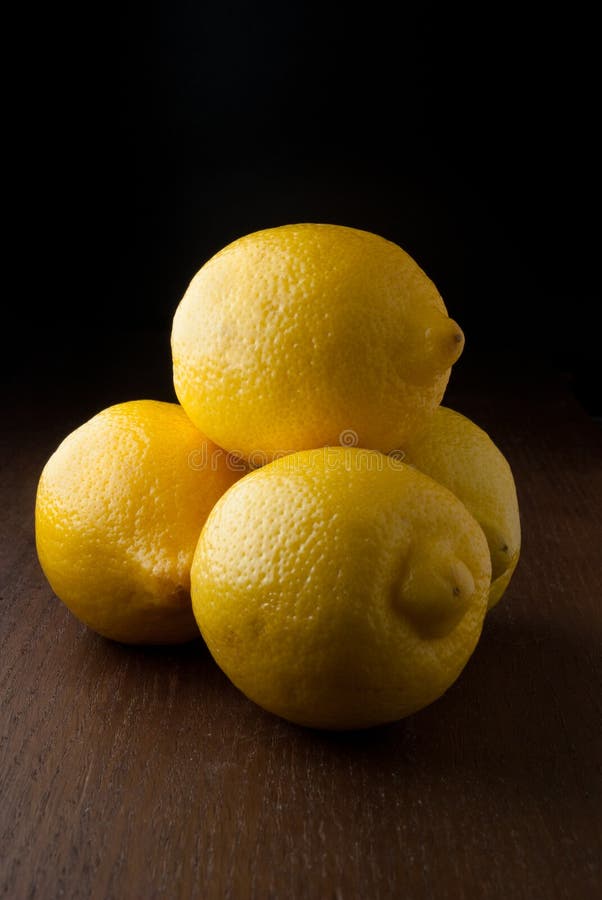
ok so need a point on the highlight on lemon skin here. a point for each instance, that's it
(340, 589)
(461, 456)
(119, 508)
(290, 335)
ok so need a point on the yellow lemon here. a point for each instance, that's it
(460, 455)
(340, 588)
(119, 509)
(290, 337)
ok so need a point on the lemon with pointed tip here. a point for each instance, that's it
(460, 455)
(340, 588)
(119, 509)
(291, 336)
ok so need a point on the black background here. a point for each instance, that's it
(465, 135)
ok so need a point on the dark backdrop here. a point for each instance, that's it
(467, 136)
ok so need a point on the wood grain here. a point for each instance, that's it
(142, 773)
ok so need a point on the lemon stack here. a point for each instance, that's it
(334, 532)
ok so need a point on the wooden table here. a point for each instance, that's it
(142, 773)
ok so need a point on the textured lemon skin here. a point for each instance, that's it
(290, 336)
(119, 508)
(460, 455)
(339, 588)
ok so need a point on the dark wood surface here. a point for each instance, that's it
(141, 773)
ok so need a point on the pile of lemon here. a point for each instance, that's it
(333, 532)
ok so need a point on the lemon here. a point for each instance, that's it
(460, 455)
(119, 509)
(340, 588)
(290, 337)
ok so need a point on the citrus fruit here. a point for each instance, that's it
(340, 588)
(292, 336)
(460, 455)
(119, 509)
